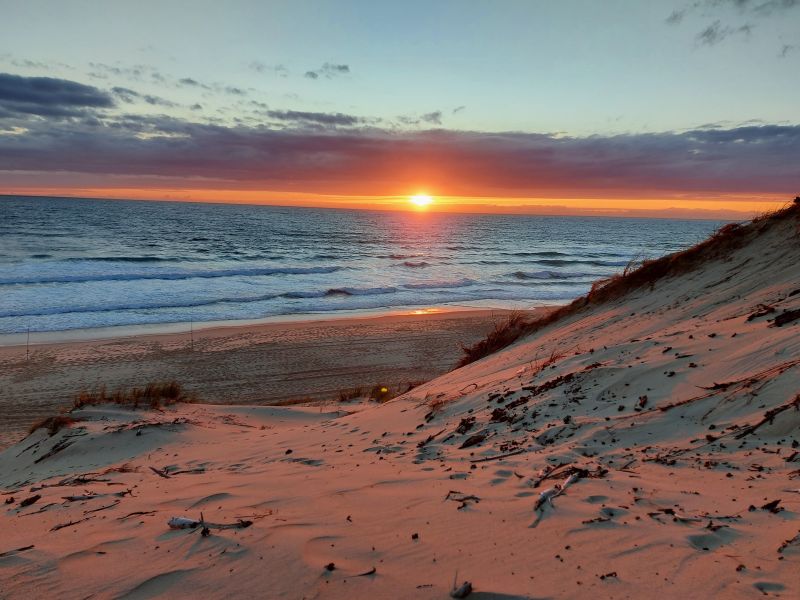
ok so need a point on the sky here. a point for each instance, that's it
(678, 107)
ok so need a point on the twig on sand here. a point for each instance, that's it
(160, 472)
(769, 417)
(16, 551)
(790, 542)
(136, 514)
(63, 525)
(499, 456)
(92, 496)
(106, 507)
(462, 498)
(430, 438)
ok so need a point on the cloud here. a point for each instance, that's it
(726, 13)
(329, 71)
(434, 117)
(360, 158)
(327, 119)
(716, 32)
(48, 96)
(260, 67)
(458, 109)
(130, 96)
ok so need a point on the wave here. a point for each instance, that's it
(415, 265)
(435, 285)
(122, 259)
(345, 291)
(593, 263)
(551, 275)
(169, 275)
(545, 253)
(398, 256)
(134, 306)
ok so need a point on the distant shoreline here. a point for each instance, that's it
(266, 362)
(187, 328)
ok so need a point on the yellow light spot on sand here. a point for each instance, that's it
(421, 200)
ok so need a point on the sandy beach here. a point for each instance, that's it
(641, 445)
(247, 364)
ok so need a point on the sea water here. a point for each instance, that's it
(79, 263)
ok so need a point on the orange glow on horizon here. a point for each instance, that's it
(726, 206)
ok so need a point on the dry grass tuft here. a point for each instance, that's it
(154, 395)
(646, 274)
(505, 333)
(52, 424)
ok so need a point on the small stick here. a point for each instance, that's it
(499, 456)
(63, 525)
(160, 472)
(137, 513)
(112, 505)
(12, 552)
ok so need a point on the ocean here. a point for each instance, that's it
(77, 263)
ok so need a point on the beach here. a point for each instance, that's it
(256, 363)
(643, 441)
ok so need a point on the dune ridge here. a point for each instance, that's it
(642, 446)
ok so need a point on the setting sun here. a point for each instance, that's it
(421, 200)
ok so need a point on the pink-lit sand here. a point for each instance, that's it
(656, 403)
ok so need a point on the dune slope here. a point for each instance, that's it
(643, 446)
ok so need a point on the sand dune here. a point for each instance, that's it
(642, 447)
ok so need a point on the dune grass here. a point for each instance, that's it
(723, 241)
(52, 424)
(154, 395)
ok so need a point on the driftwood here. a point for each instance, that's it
(546, 496)
(187, 523)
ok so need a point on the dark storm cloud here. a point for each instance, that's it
(747, 159)
(328, 119)
(48, 96)
(328, 70)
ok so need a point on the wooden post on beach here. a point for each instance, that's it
(191, 335)
(28, 345)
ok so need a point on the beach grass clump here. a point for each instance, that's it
(504, 333)
(154, 395)
(634, 277)
(52, 424)
(351, 394)
(381, 393)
